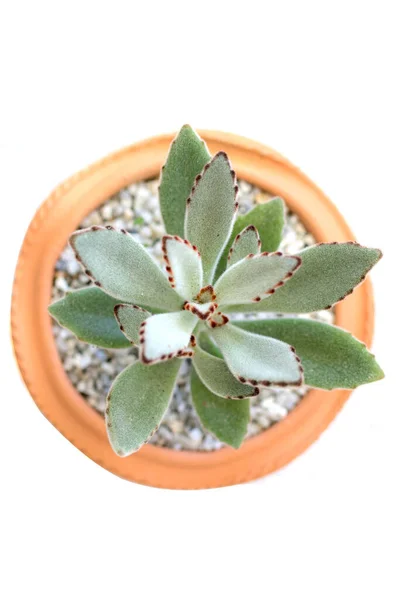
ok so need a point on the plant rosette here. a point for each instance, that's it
(215, 266)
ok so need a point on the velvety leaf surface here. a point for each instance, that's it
(226, 419)
(167, 335)
(257, 359)
(331, 357)
(137, 402)
(123, 268)
(246, 242)
(184, 266)
(130, 319)
(187, 157)
(216, 376)
(268, 218)
(89, 314)
(210, 211)
(254, 277)
(208, 345)
(329, 272)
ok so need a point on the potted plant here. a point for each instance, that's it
(216, 267)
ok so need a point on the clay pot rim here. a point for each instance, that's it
(43, 372)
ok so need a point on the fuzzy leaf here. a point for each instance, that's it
(165, 336)
(226, 419)
(184, 266)
(122, 267)
(268, 218)
(137, 402)
(210, 211)
(187, 157)
(331, 357)
(130, 318)
(246, 242)
(207, 344)
(329, 273)
(254, 277)
(89, 314)
(216, 376)
(257, 359)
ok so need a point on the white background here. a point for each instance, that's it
(318, 81)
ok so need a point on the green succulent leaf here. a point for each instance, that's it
(130, 319)
(123, 268)
(328, 273)
(226, 419)
(257, 359)
(184, 266)
(137, 402)
(89, 314)
(187, 157)
(246, 242)
(166, 336)
(210, 211)
(216, 376)
(207, 344)
(254, 277)
(331, 357)
(268, 218)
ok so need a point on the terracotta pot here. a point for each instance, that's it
(41, 367)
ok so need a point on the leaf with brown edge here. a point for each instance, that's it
(254, 278)
(210, 211)
(216, 376)
(123, 268)
(256, 359)
(206, 294)
(226, 419)
(89, 314)
(217, 319)
(268, 218)
(187, 157)
(331, 357)
(329, 272)
(137, 402)
(202, 311)
(183, 264)
(166, 336)
(130, 319)
(246, 242)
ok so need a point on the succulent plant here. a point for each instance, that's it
(216, 265)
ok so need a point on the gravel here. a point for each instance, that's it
(91, 370)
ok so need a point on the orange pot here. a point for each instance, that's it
(38, 359)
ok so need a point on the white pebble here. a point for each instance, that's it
(195, 434)
(106, 212)
(61, 284)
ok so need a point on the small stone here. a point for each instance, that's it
(309, 240)
(176, 426)
(83, 360)
(108, 368)
(196, 435)
(73, 267)
(244, 187)
(276, 412)
(125, 199)
(61, 283)
(106, 212)
(132, 189)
